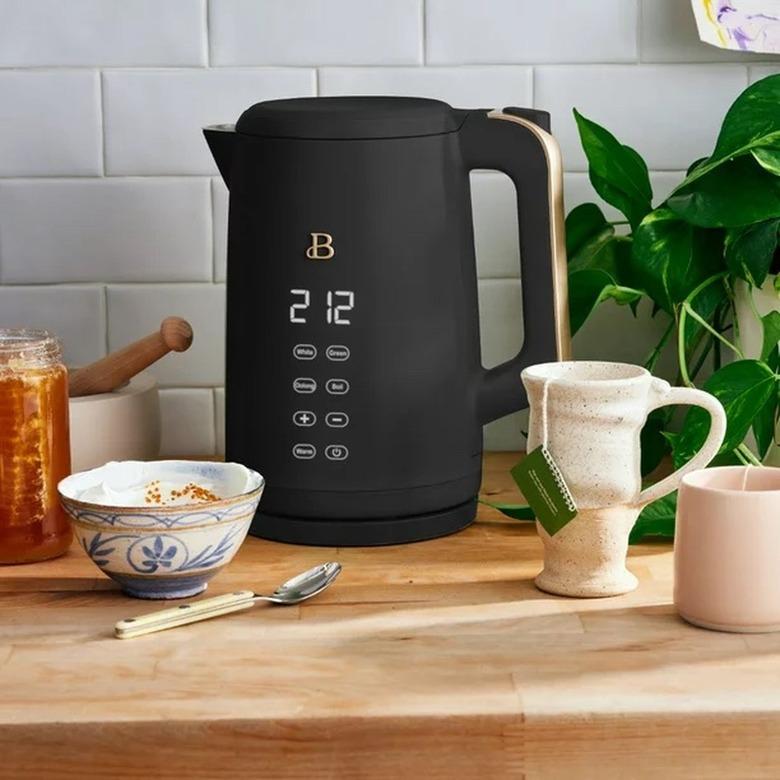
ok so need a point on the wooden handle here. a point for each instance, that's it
(183, 614)
(114, 370)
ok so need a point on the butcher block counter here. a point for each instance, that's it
(431, 660)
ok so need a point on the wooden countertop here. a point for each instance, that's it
(432, 660)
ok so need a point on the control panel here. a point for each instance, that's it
(321, 405)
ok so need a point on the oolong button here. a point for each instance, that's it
(305, 351)
(304, 451)
(304, 384)
(337, 419)
(337, 386)
(336, 452)
(337, 353)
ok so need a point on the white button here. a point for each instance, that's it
(304, 419)
(337, 386)
(337, 352)
(305, 351)
(304, 384)
(337, 419)
(336, 452)
(304, 451)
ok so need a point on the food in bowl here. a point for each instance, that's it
(162, 529)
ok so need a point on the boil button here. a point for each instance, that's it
(337, 386)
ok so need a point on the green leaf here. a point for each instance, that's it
(771, 329)
(588, 288)
(653, 444)
(750, 250)
(515, 511)
(752, 123)
(739, 192)
(617, 172)
(670, 257)
(585, 224)
(742, 387)
(768, 159)
(656, 519)
(764, 425)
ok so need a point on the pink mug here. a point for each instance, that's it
(727, 549)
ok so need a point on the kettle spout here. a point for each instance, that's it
(220, 139)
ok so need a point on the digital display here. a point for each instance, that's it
(337, 306)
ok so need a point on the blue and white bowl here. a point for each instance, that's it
(161, 551)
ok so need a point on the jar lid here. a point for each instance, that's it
(28, 347)
(350, 118)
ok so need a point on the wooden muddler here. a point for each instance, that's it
(114, 370)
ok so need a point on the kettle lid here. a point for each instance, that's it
(349, 118)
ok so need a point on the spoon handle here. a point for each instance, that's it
(183, 614)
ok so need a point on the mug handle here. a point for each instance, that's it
(663, 394)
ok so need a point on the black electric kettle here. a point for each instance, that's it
(354, 382)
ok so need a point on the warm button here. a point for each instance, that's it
(304, 451)
(337, 386)
(337, 353)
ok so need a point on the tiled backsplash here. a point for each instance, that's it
(111, 213)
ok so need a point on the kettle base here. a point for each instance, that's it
(364, 533)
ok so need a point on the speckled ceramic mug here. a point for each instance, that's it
(594, 414)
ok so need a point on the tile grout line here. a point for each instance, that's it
(423, 32)
(207, 30)
(102, 105)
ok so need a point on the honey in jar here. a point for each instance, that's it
(34, 446)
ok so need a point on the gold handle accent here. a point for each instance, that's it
(183, 614)
(560, 271)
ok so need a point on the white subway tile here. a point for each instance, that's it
(500, 320)
(75, 314)
(494, 209)
(613, 333)
(49, 123)
(670, 114)
(506, 433)
(669, 34)
(577, 189)
(219, 410)
(501, 337)
(154, 118)
(315, 32)
(135, 310)
(110, 230)
(102, 32)
(511, 31)
(758, 72)
(472, 87)
(219, 205)
(187, 423)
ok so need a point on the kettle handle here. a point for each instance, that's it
(509, 142)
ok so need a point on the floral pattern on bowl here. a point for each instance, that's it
(165, 551)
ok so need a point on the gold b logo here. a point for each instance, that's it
(321, 247)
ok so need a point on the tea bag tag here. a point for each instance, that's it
(543, 485)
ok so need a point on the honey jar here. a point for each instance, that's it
(34, 446)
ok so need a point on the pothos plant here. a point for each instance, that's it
(685, 255)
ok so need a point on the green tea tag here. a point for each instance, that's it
(545, 490)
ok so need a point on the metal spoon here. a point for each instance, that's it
(294, 591)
